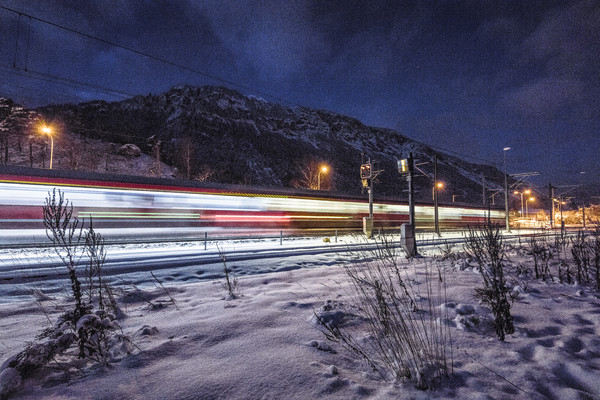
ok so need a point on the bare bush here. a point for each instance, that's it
(402, 333)
(231, 284)
(66, 234)
(486, 246)
(88, 326)
(594, 247)
(541, 257)
(581, 257)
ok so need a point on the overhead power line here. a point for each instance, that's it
(65, 81)
(152, 57)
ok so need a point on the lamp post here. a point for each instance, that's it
(323, 169)
(436, 186)
(526, 210)
(506, 190)
(48, 131)
(521, 193)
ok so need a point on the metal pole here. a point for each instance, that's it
(411, 203)
(51, 149)
(435, 197)
(583, 211)
(371, 200)
(522, 212)
(411, 191)
(205, 239)
(483, 188)
(562, 221)
(551, 195)
(506, 191)
(319, 181)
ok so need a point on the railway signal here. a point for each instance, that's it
(367, 175)
(406, 167)
(403, 166)
(366, 172)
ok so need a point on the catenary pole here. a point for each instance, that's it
(506, 190)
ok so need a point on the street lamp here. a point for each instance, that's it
(435, 188)
(48, 131)
(506, 190)
(436, 185)
(323, 169)
(526, 201)
(521, 193)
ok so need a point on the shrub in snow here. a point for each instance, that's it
(231, 284)
(447, 252)
(594, 246)
(37, 355)
(71, 244)
(87, 328)
(541, 257)
(581, 256)
(384, 322)
(486, 246)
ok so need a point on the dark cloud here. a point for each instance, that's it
(545, 98)
(468, 76)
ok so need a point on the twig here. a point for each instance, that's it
(495, 373)
(165, 289)
(136, 293)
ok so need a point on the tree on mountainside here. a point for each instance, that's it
(307, 175)
(186, 152)
(14, 119)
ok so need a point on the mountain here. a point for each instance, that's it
(218, 134)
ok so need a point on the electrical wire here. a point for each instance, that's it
(66, 81)
(153, 57)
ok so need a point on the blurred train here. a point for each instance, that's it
(125, 202)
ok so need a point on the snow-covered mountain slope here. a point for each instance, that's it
(218, 134)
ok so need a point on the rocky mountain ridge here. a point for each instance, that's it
(218, 134)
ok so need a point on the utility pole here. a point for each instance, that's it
(562, 221)
(551, 195)
(506, 191)
(435, 197)
(411, 191)
(583, 211)
(483, 188)
(371, 199)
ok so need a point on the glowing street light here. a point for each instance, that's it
(437, 186)
(323, 170)
(48, 131)
(526, 201)
(521, 193)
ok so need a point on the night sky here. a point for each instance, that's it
(469, 77)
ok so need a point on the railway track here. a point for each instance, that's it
(191, 261)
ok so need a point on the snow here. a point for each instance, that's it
(266, 342)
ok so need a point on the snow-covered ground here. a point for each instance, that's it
(264, 344)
